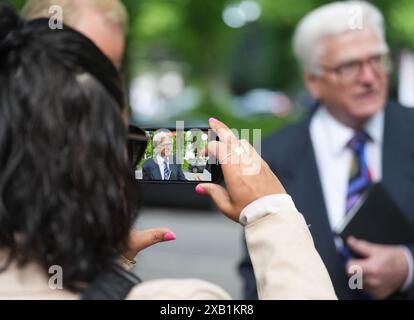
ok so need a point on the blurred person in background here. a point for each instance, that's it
(66, 194)
(103, 21)
(160, 167)
(344, 56)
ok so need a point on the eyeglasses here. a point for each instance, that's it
(137, 144)
(349, 71)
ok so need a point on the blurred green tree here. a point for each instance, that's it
(221, 61)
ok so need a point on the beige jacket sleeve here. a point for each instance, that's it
(285, 261)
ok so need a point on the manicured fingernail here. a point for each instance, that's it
(169, 236)
(199, 189)
(212, 120)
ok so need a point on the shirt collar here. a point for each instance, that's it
(339, 135)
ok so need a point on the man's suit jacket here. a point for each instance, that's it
(291, 156)
(151, 171)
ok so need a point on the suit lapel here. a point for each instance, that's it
(173, 175)
(309, 196)
(156, 170)
(305, 187)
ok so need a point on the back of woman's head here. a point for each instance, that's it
(63, 173)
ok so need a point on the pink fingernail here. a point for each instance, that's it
(169, 236)
(199, 189)
(213, 120)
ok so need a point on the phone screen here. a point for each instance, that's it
(175, 156)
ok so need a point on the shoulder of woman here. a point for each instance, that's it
(178, 289)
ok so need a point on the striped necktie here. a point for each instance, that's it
(167, 171)
(360, 178)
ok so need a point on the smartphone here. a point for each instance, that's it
(173, 156)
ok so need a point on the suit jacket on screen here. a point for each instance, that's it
(151, 171)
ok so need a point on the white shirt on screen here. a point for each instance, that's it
(161, 165)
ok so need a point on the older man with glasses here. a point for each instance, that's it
(356, 134)
(160, 167)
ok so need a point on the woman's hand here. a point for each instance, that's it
(140, 240)
(247, 176)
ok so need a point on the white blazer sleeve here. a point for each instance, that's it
(285, 261)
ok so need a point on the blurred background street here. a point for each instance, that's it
(208, 247)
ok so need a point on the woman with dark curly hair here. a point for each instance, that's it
(63, 180)
(66, 198)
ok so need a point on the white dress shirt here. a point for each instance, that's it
(161, 165)
(333, 158)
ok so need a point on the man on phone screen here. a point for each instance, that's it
(159, 167)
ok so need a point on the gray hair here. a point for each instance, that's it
(332, 19)
(159, 137)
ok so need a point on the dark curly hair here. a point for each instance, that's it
(66, 196)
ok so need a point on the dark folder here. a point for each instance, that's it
(377, 218)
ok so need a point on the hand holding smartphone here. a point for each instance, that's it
(248, 178)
